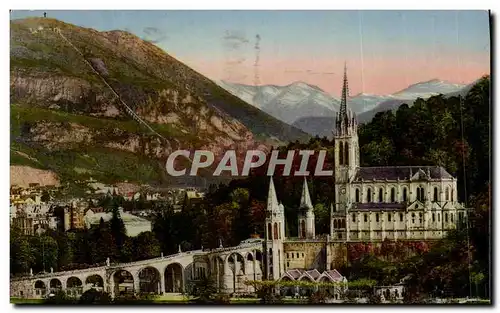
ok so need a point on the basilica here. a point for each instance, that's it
(372, 204)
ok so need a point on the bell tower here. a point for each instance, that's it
(346, 149)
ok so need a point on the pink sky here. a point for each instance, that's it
(376, 75)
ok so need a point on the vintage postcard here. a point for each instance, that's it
(257, 157)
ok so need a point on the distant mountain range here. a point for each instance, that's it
(286, 103)
(311, 109)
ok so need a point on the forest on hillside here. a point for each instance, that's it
(441, 131)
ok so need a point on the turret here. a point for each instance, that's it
(275, 234)
(306, 214)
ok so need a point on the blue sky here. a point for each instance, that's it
(305, 38)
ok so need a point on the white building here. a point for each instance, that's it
(393, 202)
(134, 225)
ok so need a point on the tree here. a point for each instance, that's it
(146, 246)
(93, 296)
(65, 249)
(240, 201)
(318, 297)
(21, 253)
(59, 297)
(322, 221)
(126, 253)
(45, 252)
(267, 294)
(204, 290)
(117, 228)
(45, 196)
(374, 299)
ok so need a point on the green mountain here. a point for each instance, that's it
(112, 106)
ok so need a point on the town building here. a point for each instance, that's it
(134, 225)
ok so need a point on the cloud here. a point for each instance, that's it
(309, 72)
(236, 36)
(236, 61)
(154, 34)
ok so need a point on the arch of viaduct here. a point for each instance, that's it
(169, 274)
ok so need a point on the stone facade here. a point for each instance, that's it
(372, 204)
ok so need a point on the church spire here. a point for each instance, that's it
(305, 199)
(272, 199)
(345, 94)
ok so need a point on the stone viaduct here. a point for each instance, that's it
(169, 274)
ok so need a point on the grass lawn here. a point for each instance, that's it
(169, 299)
(25, 301)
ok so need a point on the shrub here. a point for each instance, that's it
(94, 296)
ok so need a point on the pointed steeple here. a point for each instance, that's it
(272, 199)
(345, 94)
(305, 199)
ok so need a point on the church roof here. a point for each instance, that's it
(401, 172)
(295, 273)
(314, 274)
(376, 206)
(334, 274)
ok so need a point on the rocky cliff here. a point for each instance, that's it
(112, 106)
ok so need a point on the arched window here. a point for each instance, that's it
(439, 217)
(447, 193)
(420, 193)
(405, 194)
(279, 230)
(380, 195)
(369, 195)
(366, 218)
(269, 231)
(303, 228)
(389, 217)
(400, 217)
(341, 154)
(357, 195)
(335, 224)
(376, 217)
(393, 195)
(346, 151)
(413, 218)
(451, 217)
(433, 217)
(343, 223)
(452, 194)
(353, 217)
(435, 194)
(420, 216)
(275, 231)
(446, 217)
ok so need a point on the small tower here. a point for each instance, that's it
(275, 234)
(306, 214)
